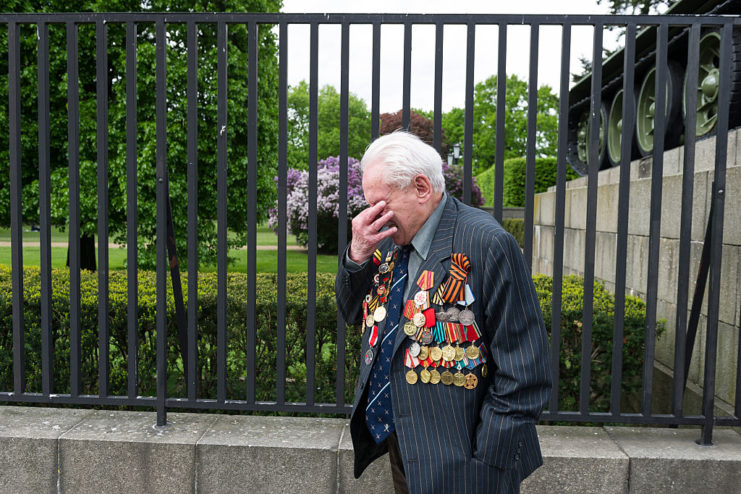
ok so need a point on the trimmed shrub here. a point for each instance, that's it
(325, 334)
(515, 226)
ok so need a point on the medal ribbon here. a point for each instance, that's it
(439, 332)
(455, 286)
(373, 338)
(410, 361)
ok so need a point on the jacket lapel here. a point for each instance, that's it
(438, 258)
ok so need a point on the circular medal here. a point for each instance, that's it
(369, 356)
(379, 314)
(446, 378)
(424, 376)
(466, 317)
(424, 352)
(370, 321)
(376, 279)
(459, 353)
(419, 319)
(471, 381)
(436, 353)
(381, 290)
(434, 376)
(411, 377)
(459, 379)
(414, 349)
(484, 370)
(426, 337)
(383, 268)
(453, 314)
(472, 352)
(368, 298)
(420, 298)
(440, 316)
(409, 328)
(448, 353)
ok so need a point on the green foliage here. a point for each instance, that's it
(266, 336)
(515, 121)
(328, 125)
(515, 226)
(572, 306)
(237, 123)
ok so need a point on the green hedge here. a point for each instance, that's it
(266, 311)
(515, 226)
(514, 180)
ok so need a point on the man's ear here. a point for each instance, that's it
(423, 188)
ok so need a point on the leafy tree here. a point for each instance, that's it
(328, 125)
(421, 124)
(237, 127)
(515, 121)
(637, 7)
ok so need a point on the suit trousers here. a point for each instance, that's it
(397, 465)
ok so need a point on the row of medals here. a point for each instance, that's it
(420, 345)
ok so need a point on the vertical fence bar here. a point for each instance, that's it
(342, 220)
(311, 279)
(101, 76)
(47, 340)
(192, 210)
(654, 239)
(716, 242)
(16, 219)
(468, 125)
(161, 206)
(221, 209)
(73, 153)
(591, 221)
(253, 44)
(532, 119)
(685, 228)
(622, 217)
(280, 370)
(131, 213)
(407, 81)
(558, 240)
(500, 136)
(376, 81)
(438, 105)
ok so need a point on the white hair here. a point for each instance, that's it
(405, 156)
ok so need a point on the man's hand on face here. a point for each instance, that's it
(366, 234)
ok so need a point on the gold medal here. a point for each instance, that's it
(434, 376)
(472, 352)
(459, 353)
(409, 328)
(419, 319)
(379, 314)
(471, 381)
(424, 352)
(459, 379)
(370, 321)
(447, 378)
(425, 376)
(448, 353)
(484, 370)
(411, 377)
(383, 268)
(436, 353)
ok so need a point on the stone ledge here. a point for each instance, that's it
(65, 450)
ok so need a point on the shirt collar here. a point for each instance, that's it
(423, 239)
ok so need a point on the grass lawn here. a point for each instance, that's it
(267, 260)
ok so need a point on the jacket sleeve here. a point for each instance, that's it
(519, 362)
(350, 287)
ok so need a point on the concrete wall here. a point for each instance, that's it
(637, 251)
(86, 451)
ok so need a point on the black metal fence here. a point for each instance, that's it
(660, 26)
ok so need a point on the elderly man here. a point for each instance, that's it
(454, 360)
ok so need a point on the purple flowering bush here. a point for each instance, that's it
(328, 209)
(328, 198)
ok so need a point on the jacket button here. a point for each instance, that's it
(517, 457)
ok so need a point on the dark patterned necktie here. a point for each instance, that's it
(378, 414)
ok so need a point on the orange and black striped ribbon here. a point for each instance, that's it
(455, 286)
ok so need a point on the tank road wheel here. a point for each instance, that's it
(615, 129)
(583, 135)
(646, 110)
(708, 83)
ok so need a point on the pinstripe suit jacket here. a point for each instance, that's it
(452, 439)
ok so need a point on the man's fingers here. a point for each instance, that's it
(381, 220)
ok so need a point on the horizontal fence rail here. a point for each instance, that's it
(151, 69)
